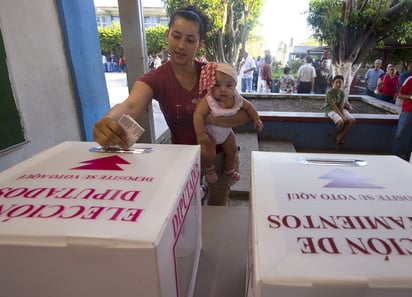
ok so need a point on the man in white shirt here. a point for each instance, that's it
(306, 77)
(247, 66)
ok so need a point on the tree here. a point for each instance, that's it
(353, 28)
(230, 23)
(156, 39)
(111, 39)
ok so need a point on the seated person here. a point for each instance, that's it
(334, 109)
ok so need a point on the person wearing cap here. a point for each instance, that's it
(387, 85)
(222, 99)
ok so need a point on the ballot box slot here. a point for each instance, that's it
(333, 161)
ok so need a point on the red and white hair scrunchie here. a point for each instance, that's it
(207, 77)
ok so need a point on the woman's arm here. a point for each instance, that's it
(107, 132)
(240, 118)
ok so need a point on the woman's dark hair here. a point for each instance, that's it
(286, 70)
(191, 13)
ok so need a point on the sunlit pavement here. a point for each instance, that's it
(118, 91)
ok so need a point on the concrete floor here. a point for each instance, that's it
(249, 142)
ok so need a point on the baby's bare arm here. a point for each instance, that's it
(202, 109)
(253, 114)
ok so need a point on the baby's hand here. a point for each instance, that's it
(258, 125)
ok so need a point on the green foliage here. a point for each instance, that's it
(294, 66)
(111, 39)
(230, 23)
(353, 28)
(156, 39)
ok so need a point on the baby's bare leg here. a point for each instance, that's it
(230, 150)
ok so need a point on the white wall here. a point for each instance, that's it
(39, 76)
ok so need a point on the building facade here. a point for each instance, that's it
(107, 11)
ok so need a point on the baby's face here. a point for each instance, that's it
(224, 87)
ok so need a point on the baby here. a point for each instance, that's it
(222, 99)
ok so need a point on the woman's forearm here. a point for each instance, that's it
(240, 118)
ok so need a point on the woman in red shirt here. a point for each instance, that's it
(175, 85)
(387, 85)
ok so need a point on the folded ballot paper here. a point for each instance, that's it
(132, 128)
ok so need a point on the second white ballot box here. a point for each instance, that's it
(75, 221)
(330, 225)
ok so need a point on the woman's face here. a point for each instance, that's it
(391, 70)
(184, 40)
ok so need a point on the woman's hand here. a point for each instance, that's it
(107, 132)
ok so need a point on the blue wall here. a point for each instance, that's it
(318, 133)
(78, 23)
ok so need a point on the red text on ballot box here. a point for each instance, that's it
(330, 225)
(75, 222)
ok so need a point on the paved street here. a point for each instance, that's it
(118, 91)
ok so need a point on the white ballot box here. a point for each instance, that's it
(330, 225)
(79, 222)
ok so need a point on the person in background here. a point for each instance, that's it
(157, 61)
(104, 61)
(122, 64)
(265, 82)
(387, 85)
(115, 62)
(109, 63)
(222, 99)
(256, 74)
(404, 75)
(247, 66)
(371, 78)
(286, 82)
(334, 109)
(151, 62)
(402, 145)
(323, 77)
(175, 86)
(306, 77)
